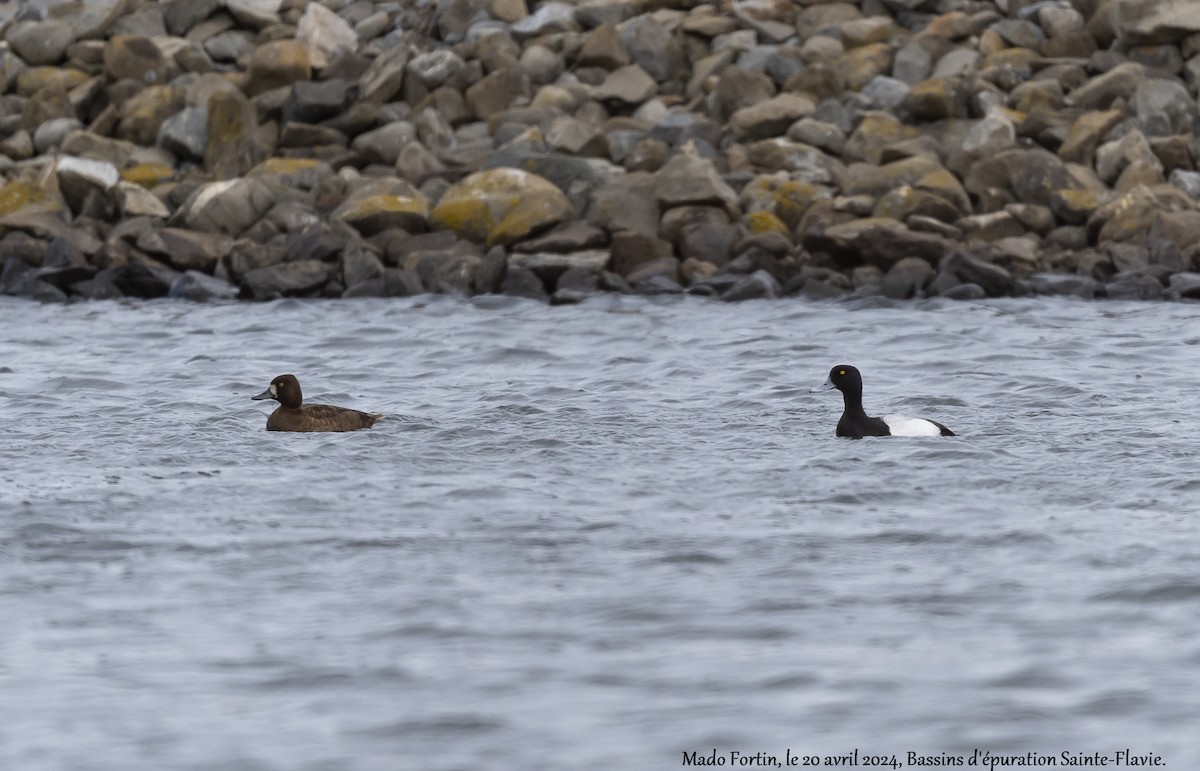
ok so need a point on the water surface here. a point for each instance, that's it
(594, 537)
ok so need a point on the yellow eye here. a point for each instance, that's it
(841, 371)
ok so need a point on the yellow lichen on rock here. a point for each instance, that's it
(17, 195)
(501, 206)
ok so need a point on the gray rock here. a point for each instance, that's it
(653, 48)
(360, 265)
(758, 285)
(626, 85)
(907, 279)
(399, 282)
(489, 274)
(965, 292)
(436, 67)
(1187, 181)
(285, 279)
(40, 43)
(884, 93)
(522, 282)
(1055, 284)
(53, 133)
(200, 287)
(570, 237)
(1165, 108)
(228, 207)
(315, 101)
(144, 277)
(550, 17)
(185, 249)
(1186, 285)
(689, 179)
(575, 285)
(1134, 286)
(995, 280)
(384, 144)
(185, 133)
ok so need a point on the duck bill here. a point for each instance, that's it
(826, 386)
(264, 395)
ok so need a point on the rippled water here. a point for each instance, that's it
(594, 537)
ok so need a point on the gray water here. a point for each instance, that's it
(595, 537)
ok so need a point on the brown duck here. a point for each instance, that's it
(293, 415)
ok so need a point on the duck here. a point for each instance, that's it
(293, 415)
(856, 423)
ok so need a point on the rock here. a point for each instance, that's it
(186, 249)
(145, 278)
(359, 266)
(279, 63)
(1165, 108)
(602, 48)
(185, 133)
(627, 203)
(1100, 92)
(630, 250)
(135, 58)
(501, 206)
(384, 78)
(40, 42)
(325, 35)
(522, 282)
(880, 242)
(667, 267)
(575, 285)
(758, 285)
(80, 177)
(1086, 133)
(689, 179)
(285, 279)
(907, 279)
(144, 114)
(1132, 286)
(626, 86)
(1154, 21)
(994, 280)
(1186, 285)
(653, 48)
(226, 207)
(489, 274)
(1077, 286)
(201, 288)
(136, 201)
(403, 208)
(965, 292)
(254, 13)
(771, 117)
(551, 266)
(398, 282)
(550, 17)
(571, 237)
(313, 102)
(232, 147)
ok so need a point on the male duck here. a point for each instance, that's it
(293, 415)
(856, 423)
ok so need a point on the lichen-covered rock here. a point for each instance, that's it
(137, 58)
(279, 63)
(501, 206)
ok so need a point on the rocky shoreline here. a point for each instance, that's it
(212, 149)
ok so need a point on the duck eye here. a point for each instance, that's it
(841, 371)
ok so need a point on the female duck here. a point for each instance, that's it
(856, 423)
(293, 415)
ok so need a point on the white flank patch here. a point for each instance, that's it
(902, 425)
